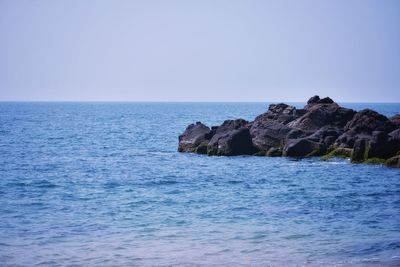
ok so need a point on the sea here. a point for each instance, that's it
(102, 184)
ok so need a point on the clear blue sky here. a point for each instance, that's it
(217, 50)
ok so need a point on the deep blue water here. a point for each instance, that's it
(101, 184)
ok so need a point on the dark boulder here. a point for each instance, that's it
(268, 134)
(367, 121)
(230, 139)
(395, 135)
(382, 146)
(326, 100)
(348, 139)
(326, 135)
(316, 100)
(296, 133)
(281, 113)
(303, 147)
(395, 120)
(320, 115)
(313, 100)
(195, 138)
(394, 140)
(270, 130)
(360, 147)
(374, 129)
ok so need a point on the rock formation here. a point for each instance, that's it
(321, 128)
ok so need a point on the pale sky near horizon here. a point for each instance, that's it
(221, 50)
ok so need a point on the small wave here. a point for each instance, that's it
(35, 204)
(55, 138)
(110, 185)
(235, 182)
(368, 249)
(297, 236)
(16, 184)
(239, 209)
(337, 162)
(44, 184)
(161, 182)
(38, 184)
(174, 192)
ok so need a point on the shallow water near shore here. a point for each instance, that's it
(102, 184)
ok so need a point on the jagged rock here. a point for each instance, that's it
(313, 100)
(195, 138)
(326, 100)
(281, 113)
(230, 139)
(316, 100)
(320, 115)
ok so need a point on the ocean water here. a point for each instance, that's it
(102, 184)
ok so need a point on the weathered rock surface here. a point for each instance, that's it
(322, 114)
(230, 139)
(303, 147)
(322, 127)
(395, 120)
(393, 162)
(195, 138)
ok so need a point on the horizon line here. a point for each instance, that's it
(181, 101)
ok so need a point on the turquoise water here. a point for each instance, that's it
(101, 184)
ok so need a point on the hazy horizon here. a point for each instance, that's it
(181, 102)
(199, 51)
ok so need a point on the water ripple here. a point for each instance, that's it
(101, 184)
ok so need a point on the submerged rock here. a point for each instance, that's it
(322, 127)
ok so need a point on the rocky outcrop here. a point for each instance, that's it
(321, 128)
